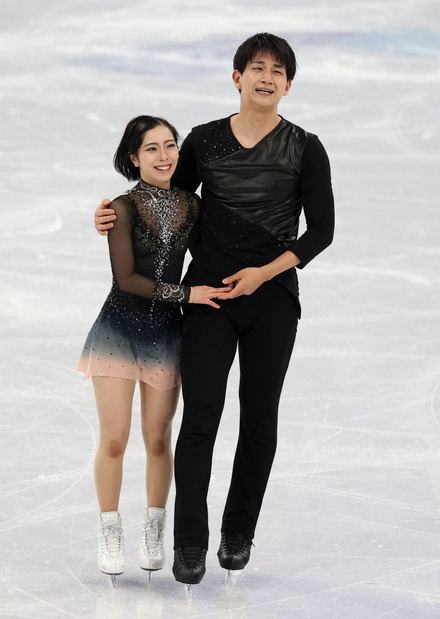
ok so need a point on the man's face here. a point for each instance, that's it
(263, 82)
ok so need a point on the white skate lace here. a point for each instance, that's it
(112, 540)
(152, 535)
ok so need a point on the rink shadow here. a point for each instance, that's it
(135, 597)
(131, 595)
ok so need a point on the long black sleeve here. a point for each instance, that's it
(186, 175)
(318, 203)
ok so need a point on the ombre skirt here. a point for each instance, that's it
(134, 338)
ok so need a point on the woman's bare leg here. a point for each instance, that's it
(114, 397)
(157, 412)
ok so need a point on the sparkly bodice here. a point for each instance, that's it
(149, 241)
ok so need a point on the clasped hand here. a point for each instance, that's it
(244, 282)
(206, 294)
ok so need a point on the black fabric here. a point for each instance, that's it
(263, 325)
(137, 333)
(148, 242)
(264, 189)
(252, 199)
(260, 183)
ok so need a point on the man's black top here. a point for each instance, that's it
(253, 197)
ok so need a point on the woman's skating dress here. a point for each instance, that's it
(137, 333)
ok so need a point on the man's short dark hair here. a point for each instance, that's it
(265, 42)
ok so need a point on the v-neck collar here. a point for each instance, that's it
(228, 122)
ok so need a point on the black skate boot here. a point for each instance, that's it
(234, 551)
(189, 564)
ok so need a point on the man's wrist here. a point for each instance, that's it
(266, 273)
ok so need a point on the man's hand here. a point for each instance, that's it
(245, 282)
(104, 217)
(205, 294)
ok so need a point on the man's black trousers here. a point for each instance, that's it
(264, 327)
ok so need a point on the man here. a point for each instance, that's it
(258, 171)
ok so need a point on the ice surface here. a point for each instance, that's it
(350, 523)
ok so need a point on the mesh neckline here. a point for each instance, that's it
(144, 186)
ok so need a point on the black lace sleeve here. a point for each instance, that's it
(122, 260)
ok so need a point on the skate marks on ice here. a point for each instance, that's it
(131, 598)
(37, 490)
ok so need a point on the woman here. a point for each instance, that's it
(136, 336)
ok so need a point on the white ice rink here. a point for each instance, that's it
(350, 526)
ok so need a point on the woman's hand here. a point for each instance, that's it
(245, 282)
(103, 218)
(205, 294)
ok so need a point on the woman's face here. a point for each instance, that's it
(157, 157)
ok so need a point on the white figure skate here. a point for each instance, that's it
(151, 549)
(111, 555)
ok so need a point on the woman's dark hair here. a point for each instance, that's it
(132, 141)
(265, 42)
